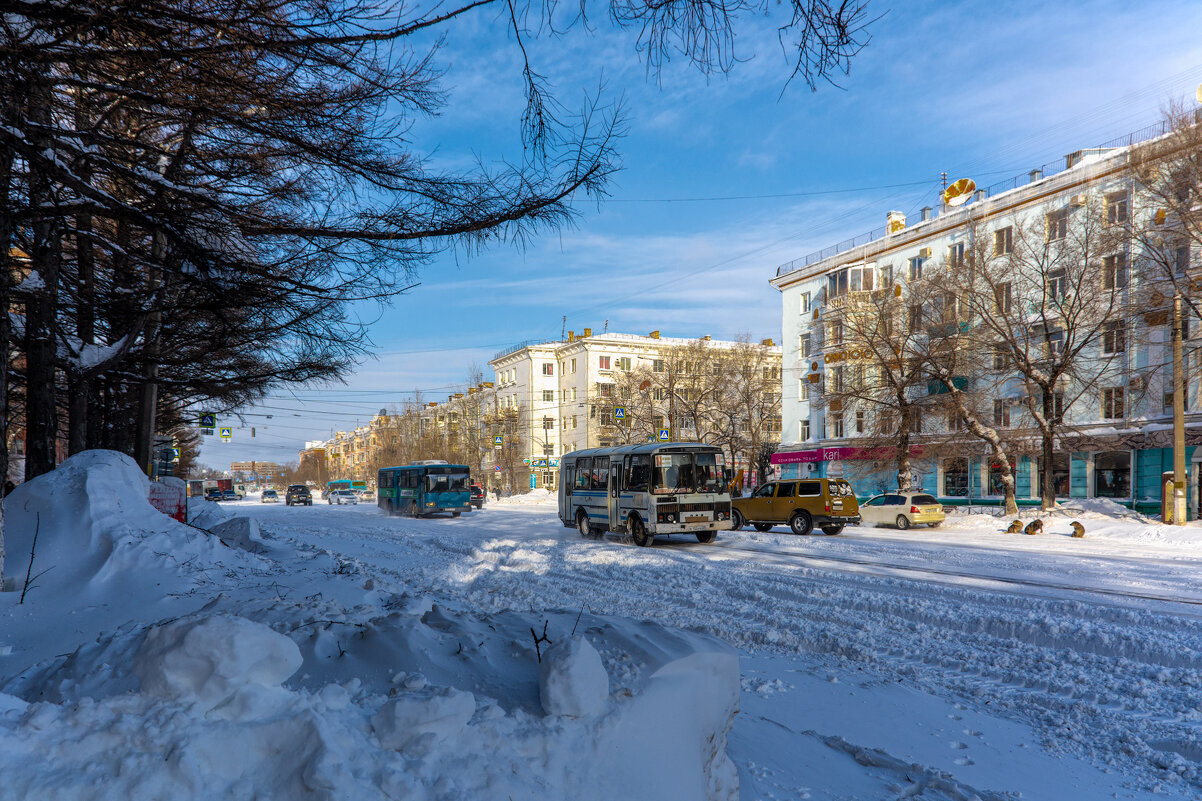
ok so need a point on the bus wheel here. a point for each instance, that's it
(582, 525)
(707, 536)
(456, 514)
(639, 532)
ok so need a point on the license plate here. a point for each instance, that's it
(838, 504)
(695, 519)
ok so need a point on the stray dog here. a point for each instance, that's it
(1015, 528)
(1034, 527)
(1078, 529)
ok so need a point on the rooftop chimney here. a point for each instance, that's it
(1035, 175)
(767, 342)
(978, 195)
(588, 332)
(571, 336)
(894, 222)
(926, 213)
(654, 335)
(706, 337)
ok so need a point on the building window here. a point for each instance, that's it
(803, 430)
(1001, 412)
(607, 418)
(773, 424)
(1116, 208)
(837, 379)
(603, 362)
(1168, 398)
(1114, 272)
(914, 317)
(573, 365)
(849, 279)
(887, 276)
(624, 363)
(573, 421)
(803, 389)
(916, 268)
(955, 422)
(803, 345)
(548, 423)
(834, 333)
(860, 421)
(549, 395)
(657, 366)
(1003, 297)
(548, 368)
(955, 477)
(805, 303)
(1112, 403)
(1180, 257)
(955, 255)
(770, 373)
(1057, 285)
(1057, 225)
(1112, 474)
(1003, 241)
(837, 425)
(659, 394)
(606, 390)
(1001, 357)
(1114, 338)
(949, 307)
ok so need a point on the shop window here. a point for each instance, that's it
(955, 477)
(1061, 474)
(1112, 474)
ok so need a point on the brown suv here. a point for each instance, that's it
(828, 503)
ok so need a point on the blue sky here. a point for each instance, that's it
(726, 177)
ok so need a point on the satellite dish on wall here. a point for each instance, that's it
(958, 193)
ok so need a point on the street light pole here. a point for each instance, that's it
(1179, 496)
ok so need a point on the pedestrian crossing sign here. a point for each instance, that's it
(208, 420)
(227, 433)
(497, 439)
(663, 435)
(619, 412)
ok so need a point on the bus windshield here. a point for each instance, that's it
(687, 472)
(446, 482)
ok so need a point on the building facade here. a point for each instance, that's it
(1115, 406)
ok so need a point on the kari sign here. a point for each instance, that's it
(837, 454)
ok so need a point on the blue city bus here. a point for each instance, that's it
(423, 488)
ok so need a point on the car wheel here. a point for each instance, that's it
(801, 524)
(831, 531)
(935, 525)
(638, 531)
(903, 522)
(582, 525)
(761, 526)
(737, 521)
(707, 536)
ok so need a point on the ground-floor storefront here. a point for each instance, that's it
(1131, 476)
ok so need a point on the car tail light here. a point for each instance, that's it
(914, 510)
(827, 507)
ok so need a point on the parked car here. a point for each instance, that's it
(477, 496)
(213, 494)
(269, 496)
(230, 495)
(342, 496)
(828, 503)
(298, 495)
(367, 495)
(903, 509)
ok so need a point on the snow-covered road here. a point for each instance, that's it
(961, 656)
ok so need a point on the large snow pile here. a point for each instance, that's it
(93, 522)
(535, 497)
(434, 705)
(224, 674)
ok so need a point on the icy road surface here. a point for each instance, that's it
(955, 663)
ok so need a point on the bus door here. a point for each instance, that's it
(615, 490)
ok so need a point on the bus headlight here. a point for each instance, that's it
(671, 518)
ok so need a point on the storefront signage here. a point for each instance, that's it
(850, 353)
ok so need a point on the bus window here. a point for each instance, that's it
(384, 480)
(673, 473)
(583, 469)
(601, 473)
(438, 483)
(638, 472)
(569, 478)
(458, 481)
(710, 469)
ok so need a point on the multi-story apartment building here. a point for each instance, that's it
(256, 471)
(1114, 407)
(578, 393)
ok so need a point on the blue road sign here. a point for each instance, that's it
(208, 420)
(497, 440)
(227, 433)
(663, 435)
(175, 452)
(619, 412)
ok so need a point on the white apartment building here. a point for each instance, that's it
(1119, 447)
